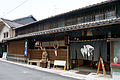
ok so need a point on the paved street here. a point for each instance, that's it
(10, 71)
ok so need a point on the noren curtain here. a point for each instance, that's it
(90, 50)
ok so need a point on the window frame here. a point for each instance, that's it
(5, 35)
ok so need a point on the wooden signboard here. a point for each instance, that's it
(60, 63)
(101, 61)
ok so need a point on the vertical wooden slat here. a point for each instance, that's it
(16, 47)
(111, 51)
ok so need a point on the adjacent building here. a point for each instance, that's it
(7, 29)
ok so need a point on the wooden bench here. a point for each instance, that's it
(37, 61)
(59, 63)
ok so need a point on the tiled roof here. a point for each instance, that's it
(25, 20)
(69, 28)
(19, 22)
(10, 23)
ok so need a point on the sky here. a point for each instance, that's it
(40, 9)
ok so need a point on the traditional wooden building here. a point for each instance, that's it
(79, 36)
(7, 29)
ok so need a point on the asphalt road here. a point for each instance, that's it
(10, 71)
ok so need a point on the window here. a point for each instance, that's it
(88, 18)
(99, 17)
(5, 34)
(118, 10)
(70, 22)
(46, 26)
(53, 25)
(80, 20)
(41, 27)
(110, 15)
(116, 50)
(61, 24)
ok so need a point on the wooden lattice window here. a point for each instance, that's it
(70, 22)
(80, 20)
(99, 17)
(88, 18)
(61, 24)
(110, 15)
(5, 34)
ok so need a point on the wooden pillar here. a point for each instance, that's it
(111, 51)
(67, 35)
(68, 53)
(68, 58)
(7, 48)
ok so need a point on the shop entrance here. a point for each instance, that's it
(86, 54)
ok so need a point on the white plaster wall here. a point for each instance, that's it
(12, 32)
(5, 29)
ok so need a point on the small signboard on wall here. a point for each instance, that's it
(25, 51)
(4, 55)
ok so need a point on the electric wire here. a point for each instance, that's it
(15, 8)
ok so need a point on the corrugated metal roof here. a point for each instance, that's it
(69, 28)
